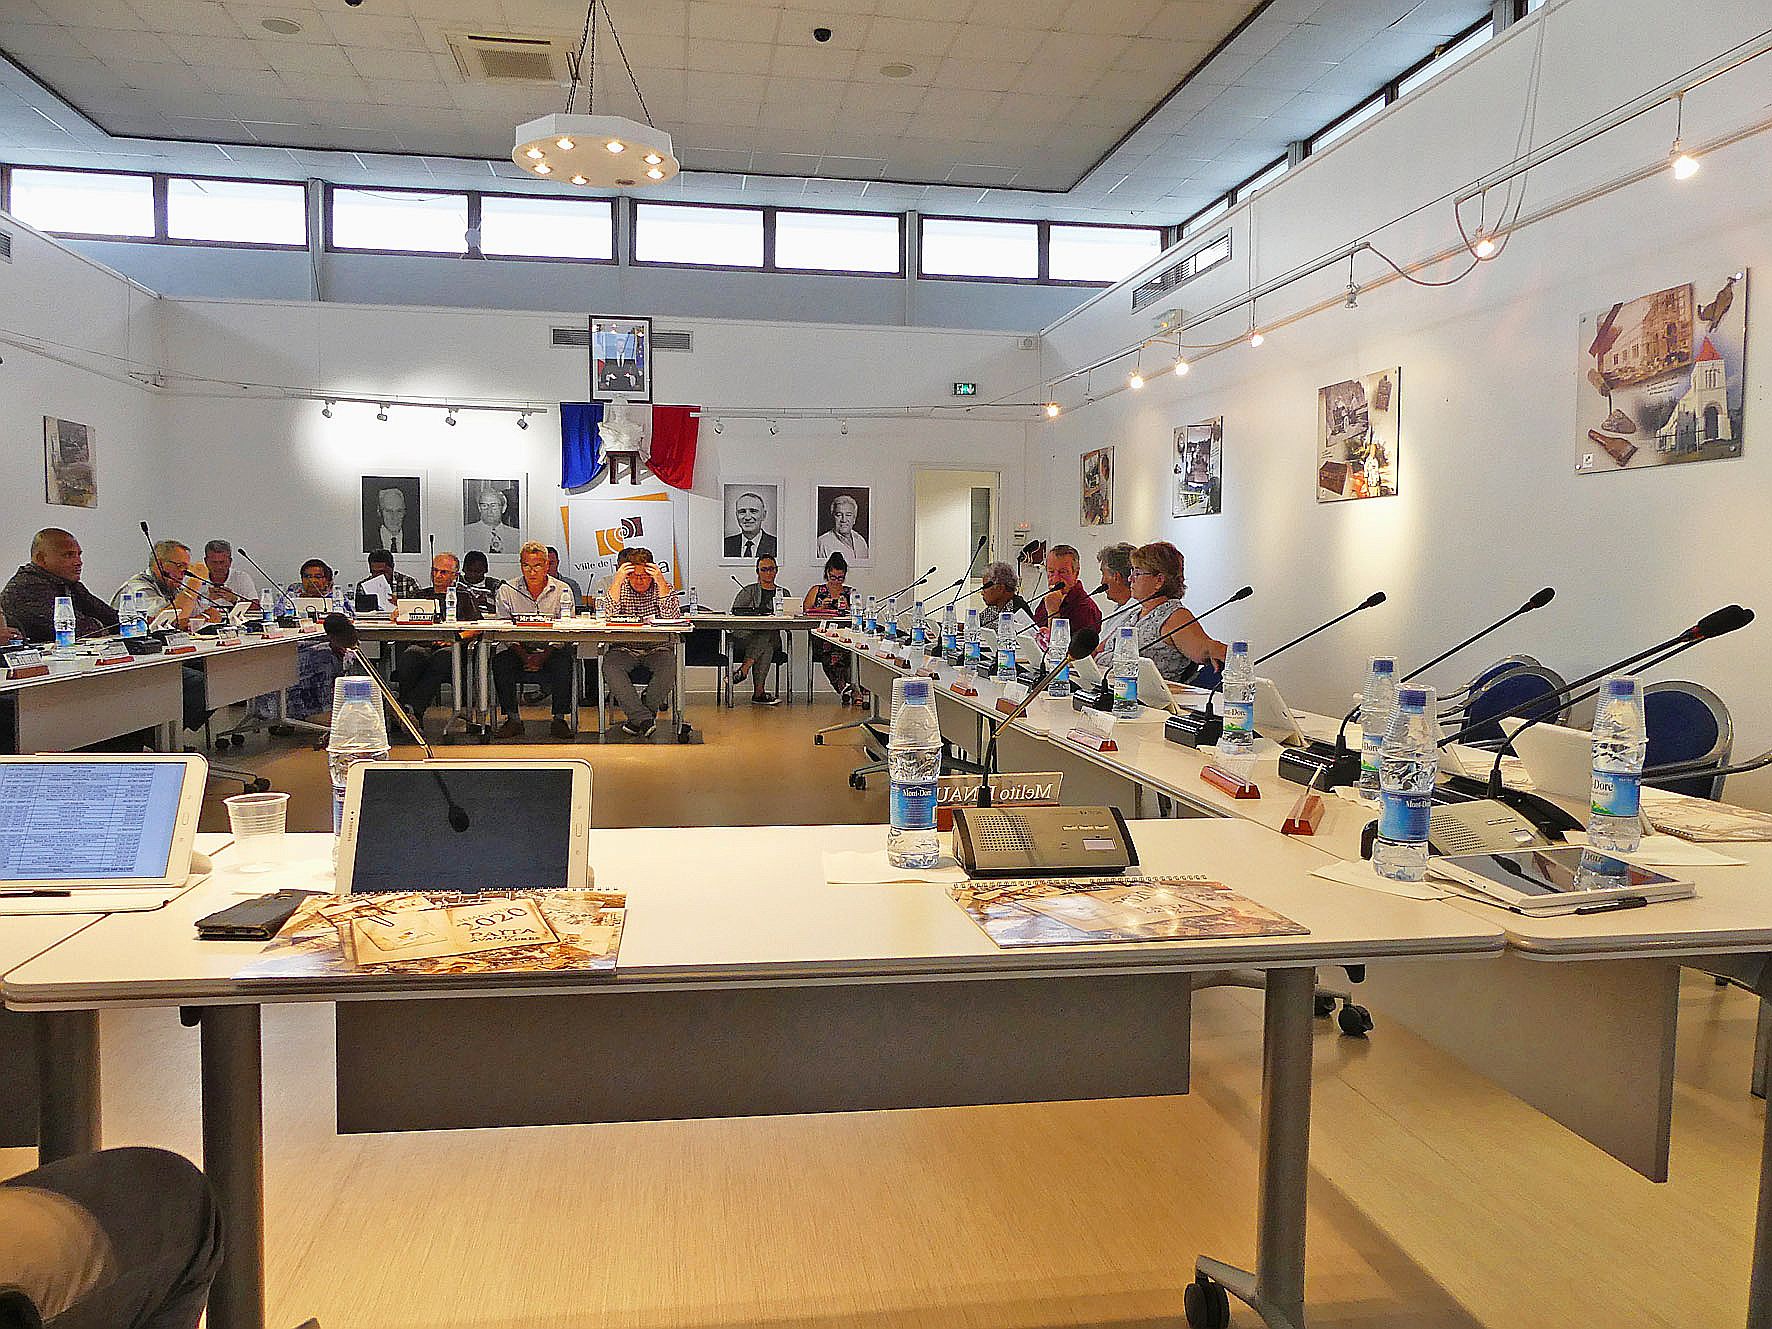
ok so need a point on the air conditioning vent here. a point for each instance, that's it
(502, 57)
(663, 339)
(1203, 259)
(5, 246)
(580, 337)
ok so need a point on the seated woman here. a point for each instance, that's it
(830, 599)
(1157, 579)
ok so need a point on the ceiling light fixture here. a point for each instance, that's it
(567, 128)
(523, 419)
(1255, 337)
(897, 69)
(1181, 367)
(449, 417)
(719, 427)
(1052, 410)
(1685, 165)
(774, 429)
(1484, 248)
(843, 428)
(382, 414)
(1135, 381)
(283, 27)
(326, 410)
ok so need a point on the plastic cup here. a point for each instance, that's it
(258, 822)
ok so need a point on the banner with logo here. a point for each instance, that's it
(599, 526)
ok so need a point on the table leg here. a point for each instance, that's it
(1759, 1283)
(234, 1159)
(723, 687)
(1275, 1290)
(483, 684)
(680, 654)
(67, 1084)
(455, 679)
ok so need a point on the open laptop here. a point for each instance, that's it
(77, 828)
(465, 826)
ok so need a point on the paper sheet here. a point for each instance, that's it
(1362, 875)
(868, 867)
(1668, 851)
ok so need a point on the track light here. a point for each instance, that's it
(1181, 367)
(382, 414)
(1353, 297)
(774, 429)
(1052, 410)
(523, 420)
(843, 428)
(1255, 338)
(1135, 381)
(449, 417)
(326, 410)
(1685, 165)
(1485, 246)
(718, 426)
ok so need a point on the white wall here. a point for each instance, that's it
(284, 482)
(1489, 508)
(83, 318)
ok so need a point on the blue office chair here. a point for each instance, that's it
(1482, 678)
(1520, 691)
(1687, 724)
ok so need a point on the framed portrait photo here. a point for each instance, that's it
(391, 514)
(492, 517)
(752, 513)
(621, 358)
(843, 518)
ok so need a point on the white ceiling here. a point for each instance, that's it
(1007, 96)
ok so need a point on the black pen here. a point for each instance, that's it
(1622, 902)
(35, 895)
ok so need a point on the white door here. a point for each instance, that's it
(955, 509)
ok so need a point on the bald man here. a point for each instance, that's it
(28, 601)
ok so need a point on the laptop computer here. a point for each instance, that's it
(465, 826)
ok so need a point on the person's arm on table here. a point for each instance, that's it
(1191, 639)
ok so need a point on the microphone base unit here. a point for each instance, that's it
(1194, 729)
(143, 645)
(1043, 841)
(1318, 765)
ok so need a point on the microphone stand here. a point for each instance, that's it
(1082, 644)
(270, 581)
(1683, 770)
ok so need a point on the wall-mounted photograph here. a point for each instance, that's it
(1357, 431)
(70, 469)
(1661, 377)
(391, 514)
(621, 359)
(843, 522)
(1096, 507)
(1199, 469)
(492, 517)
(752, 520)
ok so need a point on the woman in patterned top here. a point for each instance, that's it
(831, 597)
(1158, 579)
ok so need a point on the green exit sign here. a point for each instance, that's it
(965, 389)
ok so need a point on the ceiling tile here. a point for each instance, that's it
(1122, 17)
(354, 27)
(409, 66)
(111, 44)
(749, 23)
(727, 57)
(914, 38)
(34, 42)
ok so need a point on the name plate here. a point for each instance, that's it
(234, 640)
(181, 643)
(963, 687)
(26, 664)
(1088, 738)
(109, 658)
(277, 634)
(1305, 817)
(1234, 785)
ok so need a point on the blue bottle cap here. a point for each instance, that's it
(916, 691)
(1383, 664)
(1240, 647)
(1413, 698)
(1621, 687)
(357, 689)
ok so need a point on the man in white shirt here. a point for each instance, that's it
(841, 537)
(218, 561)
(531, 595)
(491, 532)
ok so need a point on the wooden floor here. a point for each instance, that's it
(1437, 1202)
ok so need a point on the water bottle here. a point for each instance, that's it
(451, 610)
(1619, 743)
(913, 758)
(691, 601)
(129, 619)
(64, 621)
(1238, 738)
(359, 733)
(267, 608)
(1408, 761)
(1376, 704)
(950, 635)
(1126, 658)
(1006, 672)
(919, 626)
(1058, 647)
(892, 618)
(973, 649)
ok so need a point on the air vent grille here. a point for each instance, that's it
(487, 57)
(1203, 259)
(580, 337)
(663, 339)
(5, 246)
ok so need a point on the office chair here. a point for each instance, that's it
(1688, 724)
(1522, 691)
(1482, 678)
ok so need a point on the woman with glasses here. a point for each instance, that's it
(1158, 579)
(830, 599)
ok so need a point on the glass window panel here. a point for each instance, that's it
(388, 219)
(1446, 59)
(953, 248)
(1347, 124)
(1261, 181)
(84, 202)
(836, 241)
(239, 210)
(719, 237)
(546, 227)
(1205, 218)
(1101, 253)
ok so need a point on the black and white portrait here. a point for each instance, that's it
(391, 514)
(621, 359)
(843, 512)
(492, 517)
(753, 520)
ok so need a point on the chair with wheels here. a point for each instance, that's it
(1688, 726)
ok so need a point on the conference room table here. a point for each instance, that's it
(1577, 1019)
(795, 625)
(825, 997)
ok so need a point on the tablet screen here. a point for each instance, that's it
(1558, 871)
(88, 821)
(516, 828)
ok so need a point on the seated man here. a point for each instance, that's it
(218, 563)
(316, 664)
(756, 650)
(120, 1237)
(533, 594)
(475, 581)
(1001, 582)
(1067, 598)
(28, 601)
(639, 591)
(424, 667)
(381, 564)
(167, 583)
(578, 592)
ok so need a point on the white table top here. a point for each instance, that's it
(25, 936)
(582, 625)
(739, 905)
(207, 647)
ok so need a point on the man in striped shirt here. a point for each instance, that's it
(639, 591)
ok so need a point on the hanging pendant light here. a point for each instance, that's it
(591, 150)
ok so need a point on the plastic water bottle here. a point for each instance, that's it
(973, 647)
(267, 608)
(64, 621)
(1376, 704)
(129, 619)
(1006, 670)
(858, 615)
(1619, 743)
(1057, 648)
(950, 636)
(1126, 705)
(451, 610)
(870, 620)
(359, 733)
(913, 758)
(892, 618)
(919, 626)
(1238, 738)
(1408, 761)
(691, 601)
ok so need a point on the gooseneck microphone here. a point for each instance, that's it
(1083, 643)
(913, 586)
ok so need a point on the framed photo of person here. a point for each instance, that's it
(752, 512)
(1097, 495)
(1199, 469)
(391, 514)
(621, 358)
(70, 467)
(843, 522)
(492, 517)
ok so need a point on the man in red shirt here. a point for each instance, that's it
(1068, 598)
